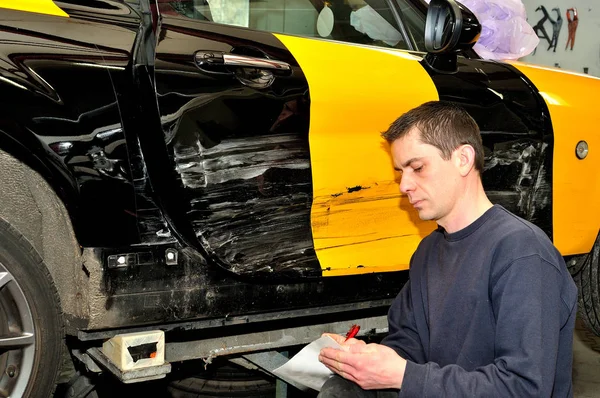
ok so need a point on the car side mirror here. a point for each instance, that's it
(450, 28)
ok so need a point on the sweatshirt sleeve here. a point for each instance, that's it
(527, 304)
(403, 336)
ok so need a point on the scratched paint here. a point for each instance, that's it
(238, 159)
(516, 132)
(356, 188)
(519, 162)
(241, 155)
(251, 203)
(247, 180)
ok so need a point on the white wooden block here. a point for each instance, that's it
(136, 350)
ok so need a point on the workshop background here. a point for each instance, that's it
(550, 21)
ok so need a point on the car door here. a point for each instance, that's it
(275, 137)
(283, 170)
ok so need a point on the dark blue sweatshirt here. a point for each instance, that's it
(489, 311)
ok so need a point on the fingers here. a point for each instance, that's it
(336, 337)
(344, 353)
(330, 353)
(335, 361)
(338, 360)
(371, 366)
(331, 357)
(342, 340)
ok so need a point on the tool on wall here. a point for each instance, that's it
(556, 25)
(572, 22)
(539, 26)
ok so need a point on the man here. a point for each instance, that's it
(490, 307)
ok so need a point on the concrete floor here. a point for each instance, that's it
(586, 362)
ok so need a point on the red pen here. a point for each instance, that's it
(352, 332)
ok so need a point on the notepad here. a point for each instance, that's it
(305, 368)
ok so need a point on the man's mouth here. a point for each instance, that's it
(416, 203)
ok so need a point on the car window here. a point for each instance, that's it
(413, 17)
(356, 21)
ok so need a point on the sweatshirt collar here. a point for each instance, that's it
(474, 226)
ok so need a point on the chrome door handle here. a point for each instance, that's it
(214, 62)
(245, 61)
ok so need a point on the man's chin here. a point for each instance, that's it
(424, 215)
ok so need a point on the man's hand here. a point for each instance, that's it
(371, 366)
(342, 340)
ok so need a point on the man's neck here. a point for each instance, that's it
(471, 205)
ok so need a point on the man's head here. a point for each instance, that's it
(443, 125)
(437, 147)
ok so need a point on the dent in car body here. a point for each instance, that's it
(241, 154)
(516, 133)
(64, 109)
(570, 98)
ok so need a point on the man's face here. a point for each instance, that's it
(431, 183)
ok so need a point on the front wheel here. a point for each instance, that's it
(31, 331)
(587, 279)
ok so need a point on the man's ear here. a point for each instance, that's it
(466, 159)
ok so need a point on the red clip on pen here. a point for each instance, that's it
(352, 332)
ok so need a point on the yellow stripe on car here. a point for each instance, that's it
(360, 223)
(575, 183)
(38, 6)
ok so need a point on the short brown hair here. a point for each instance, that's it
(443, 125)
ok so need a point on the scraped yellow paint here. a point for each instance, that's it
(360, 222)
(38, 6)
(571, 99)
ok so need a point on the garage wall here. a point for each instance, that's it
(586, 51)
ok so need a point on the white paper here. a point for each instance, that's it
(305, 368)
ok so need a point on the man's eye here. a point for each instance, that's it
(418, 169)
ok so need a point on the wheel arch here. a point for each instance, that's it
(25, 146)
(31, 205)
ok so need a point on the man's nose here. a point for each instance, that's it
(406, 183)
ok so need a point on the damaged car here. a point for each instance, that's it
(189, 180)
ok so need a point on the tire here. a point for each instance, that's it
(588, 285)
(30, 361)
(223, 381)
